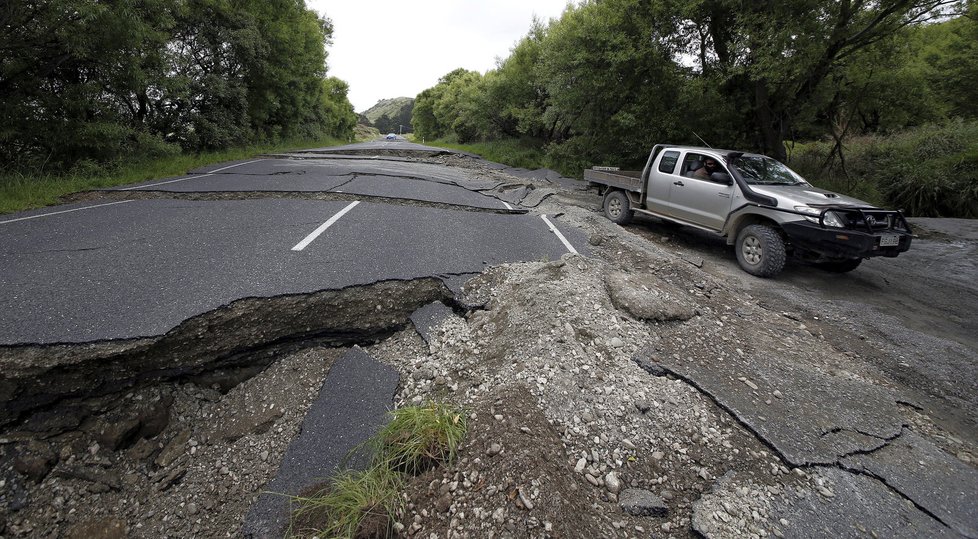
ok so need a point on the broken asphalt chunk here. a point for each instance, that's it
(827, 417)
(352, 406)
(429, 317)
(639, 502)
(861, 507)
(645, 297)
(932, 479)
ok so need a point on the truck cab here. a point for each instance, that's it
(758, 204)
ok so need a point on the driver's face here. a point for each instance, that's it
(711, 164)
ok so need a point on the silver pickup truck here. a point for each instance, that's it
(761, 206)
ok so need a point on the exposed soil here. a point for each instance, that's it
(564, 423)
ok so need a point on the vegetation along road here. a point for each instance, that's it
(598, 367)
(221, 316)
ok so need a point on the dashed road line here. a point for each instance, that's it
(211, 173)
(322, 228)
(508, 207)
(559, 235)
(63, 211)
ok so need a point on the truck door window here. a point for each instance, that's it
(692, 162)
(668, 163)
(696, 166)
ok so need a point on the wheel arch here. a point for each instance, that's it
(738, 222)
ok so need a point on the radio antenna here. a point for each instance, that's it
(701, 140)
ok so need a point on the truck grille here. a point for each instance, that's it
(873, 220)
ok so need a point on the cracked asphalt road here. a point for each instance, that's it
(863, 383)
(906, 328)
(138, 268)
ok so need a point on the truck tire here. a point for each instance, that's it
(841, 265)
(760, 250)
(618, 208)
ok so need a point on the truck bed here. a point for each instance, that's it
(629, 180)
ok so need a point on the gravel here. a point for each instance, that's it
(574, 427)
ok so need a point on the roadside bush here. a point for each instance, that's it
(929, 171)
(513, 152)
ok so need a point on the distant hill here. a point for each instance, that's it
(391, 115)
(390, 107)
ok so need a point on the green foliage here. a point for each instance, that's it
(22, 190)
(609, 86)
(948, 54)
(451, 108)
(929, 171)
(364, 504)
(612, 77)
(515, 153)
(106, 80)
(419, 437)
(351, 503)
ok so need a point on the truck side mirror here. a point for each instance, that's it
(721, 177)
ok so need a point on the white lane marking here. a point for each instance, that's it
(232, 166)
(166, 182)
(508, 207)
(322, 228)
(211, 173)
(63, 211)
(559, 235)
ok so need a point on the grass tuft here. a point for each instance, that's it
(366, 504)
(420, 437)
(354, 504)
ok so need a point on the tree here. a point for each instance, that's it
(949, 54)
(776, 55)
(446, 108)
(611, 88)
(103, 80)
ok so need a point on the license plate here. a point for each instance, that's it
(889, 240)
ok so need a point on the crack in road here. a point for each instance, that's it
(894, 490)
(291, 195)
(692, 383)
(37, 376)
(839, 461)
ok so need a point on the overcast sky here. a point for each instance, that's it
(390, 48)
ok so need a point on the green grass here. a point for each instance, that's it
(364, 133)
(419, 437)
(366, 503)
(21, 191)
(512, 152)
(351, 502)
(928, 171)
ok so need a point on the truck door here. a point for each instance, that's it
(696, 199)
(660, 181)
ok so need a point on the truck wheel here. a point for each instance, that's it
(841, 265)
(617, 208)
(760, 250)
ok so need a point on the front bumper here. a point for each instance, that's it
(843, 243)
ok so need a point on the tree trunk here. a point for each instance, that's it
(769, 122)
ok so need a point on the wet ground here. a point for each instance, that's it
(161, 394)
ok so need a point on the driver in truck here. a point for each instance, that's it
(709, 167)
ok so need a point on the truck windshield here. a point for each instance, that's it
(759, 170)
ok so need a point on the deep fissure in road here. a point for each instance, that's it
(236, 339)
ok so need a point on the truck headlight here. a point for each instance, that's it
(812, 214)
